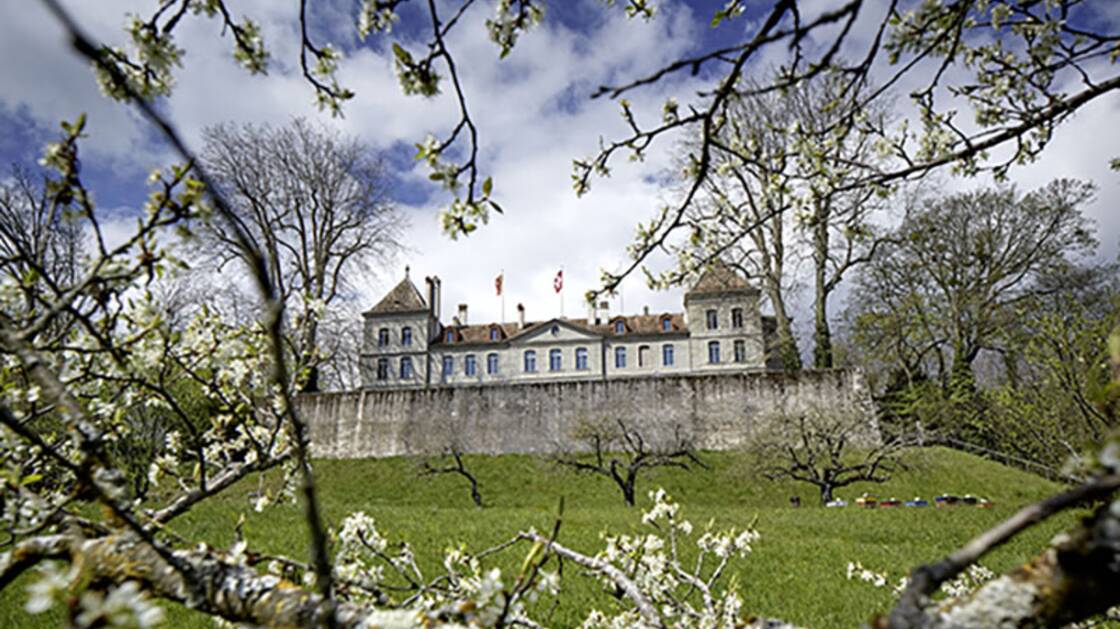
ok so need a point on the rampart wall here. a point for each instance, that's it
(716, 411)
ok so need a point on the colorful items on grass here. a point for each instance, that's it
(868, 501)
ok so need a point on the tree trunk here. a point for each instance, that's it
(628, 485)
(826, 493)
(787, 344)
(822, 335)
(962, 382)
(308, 356)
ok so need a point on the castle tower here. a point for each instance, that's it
(725, 328)
(396, 335)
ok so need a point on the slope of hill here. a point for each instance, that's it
(796, 573)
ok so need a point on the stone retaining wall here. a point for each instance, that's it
(716, 411)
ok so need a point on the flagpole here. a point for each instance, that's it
(561, 293)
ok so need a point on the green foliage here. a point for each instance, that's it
(963, 271)
(1053, 399)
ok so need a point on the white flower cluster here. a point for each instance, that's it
(876, 579)
(964, 584)
(686, 597)
(122, 606)
(374, 18)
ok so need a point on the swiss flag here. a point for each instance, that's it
(558, 283)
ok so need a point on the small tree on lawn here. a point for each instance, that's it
(454, 466)
(827, 450)
(620, 453)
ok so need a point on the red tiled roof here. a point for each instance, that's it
(636, 325)
(719, 279)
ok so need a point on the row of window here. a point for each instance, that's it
(383, 336)
(619, 328)
(556, 360)
(739, 352)
(713, 318)
(470, 365)
(383, 368)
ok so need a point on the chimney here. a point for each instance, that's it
(602, 312)
(433, 305)
(463, 313)
(431, 295)
(520, 316)
(645, 310)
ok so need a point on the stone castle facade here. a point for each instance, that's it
(720, 331)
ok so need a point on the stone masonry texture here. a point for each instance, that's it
(717, 411)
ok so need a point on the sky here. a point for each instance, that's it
(534, 114)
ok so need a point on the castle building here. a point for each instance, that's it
(405, 345)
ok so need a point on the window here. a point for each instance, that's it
(581, 358)
(530, 361)
(470, 365)
(406, 368)
(382, 368)
(667, 355)
(713, 320)
(713, 352)
(450, 336)
(740, 351)
(555, 330)
(643, 356)
(667, 324)
(620, 357)
(619, 327)
(448, 365)
(555, 360)
(406, 336)
(494, 334)
(491, 363)
(383, 337)
(736, 317)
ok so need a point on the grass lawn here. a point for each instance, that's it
(796, 572)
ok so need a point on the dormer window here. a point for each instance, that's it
(619, 326)
(494, 334)
(666, 324)
(450, 336)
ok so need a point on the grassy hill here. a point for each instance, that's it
(796, 572)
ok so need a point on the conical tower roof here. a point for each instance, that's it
(719, 279)
(403, 298)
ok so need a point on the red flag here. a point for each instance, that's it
(558, 283)
(498, 284)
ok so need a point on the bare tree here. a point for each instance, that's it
(620, 453)
(40, 236)
(964, 269)
(427, 468)
(316, 203)
(763, 189)
(743, 215)
(340, 347)
(827, 450)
